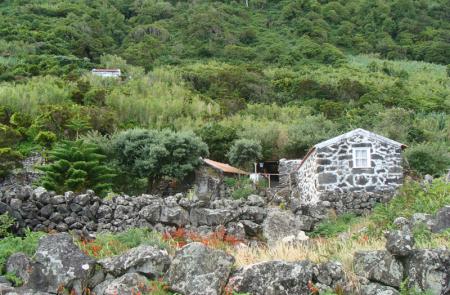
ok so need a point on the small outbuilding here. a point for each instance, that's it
(209, 179)
(350, 172)
(107, 73)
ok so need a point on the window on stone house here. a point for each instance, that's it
(361, 157)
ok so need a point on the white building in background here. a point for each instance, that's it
(107, 73)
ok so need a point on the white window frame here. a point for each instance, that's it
(369, 160)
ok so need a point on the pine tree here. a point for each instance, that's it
(77, 166)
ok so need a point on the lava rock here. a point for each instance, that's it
(442, 220)
(379, 266)
(273, 277)
(144, 259)
(59, 262)
(428, 270)
(175, 215)
(199, 270)
(130, 283)
(399, 242)
(281, 223)
(377, 289)
(19, 265)
(211, 217)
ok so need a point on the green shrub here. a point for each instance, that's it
(242, 188)
(45, 138)
(16, 281)
(413, 197)
(405, 290)
(333, 226)
(9, 160)
(6, 221)
(10, 245)
(230, 181)
(9, 136)
(428, 158)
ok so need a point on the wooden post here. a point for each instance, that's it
(290, 182)
(269, 180)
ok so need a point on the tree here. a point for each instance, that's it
(153, 154)
(244, 152)
(218, 138)
(78, 124)
(77, 166)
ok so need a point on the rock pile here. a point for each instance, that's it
(196, 269)
(383, 272)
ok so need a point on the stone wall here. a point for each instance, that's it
(307, 181)
(288, 168)
(39, 209)
(328, 174)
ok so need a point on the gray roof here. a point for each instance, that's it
(358, 132)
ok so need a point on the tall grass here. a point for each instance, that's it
(160, 100)
(28, 97)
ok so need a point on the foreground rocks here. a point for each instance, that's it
(199, 270)
(424, 270)
(59, 263)
(280, 224)
(274, 277)
(146, 260)
(196, 269)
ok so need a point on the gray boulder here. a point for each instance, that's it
(19, 264)
(144, 259)
(377, 289)
(273, 277)
(280, 224)
(151, 212)
(331, 274)
(251, 228)
(237, 230)
(378, 266)
(199, 270)
(130, 283)
(399, 242)
(211, 217)
(175, 215)
(429, 270)
(255, 200)
(442, 220)
(253, 213)
(59, 262)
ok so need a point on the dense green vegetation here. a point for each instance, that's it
(281, 74)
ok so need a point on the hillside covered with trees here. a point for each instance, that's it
(209, 77)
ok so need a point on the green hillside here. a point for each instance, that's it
(284, 74)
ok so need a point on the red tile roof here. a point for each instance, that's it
(224, 167)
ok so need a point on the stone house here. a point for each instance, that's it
(350, 172)
(209, 178)
(107, 73)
